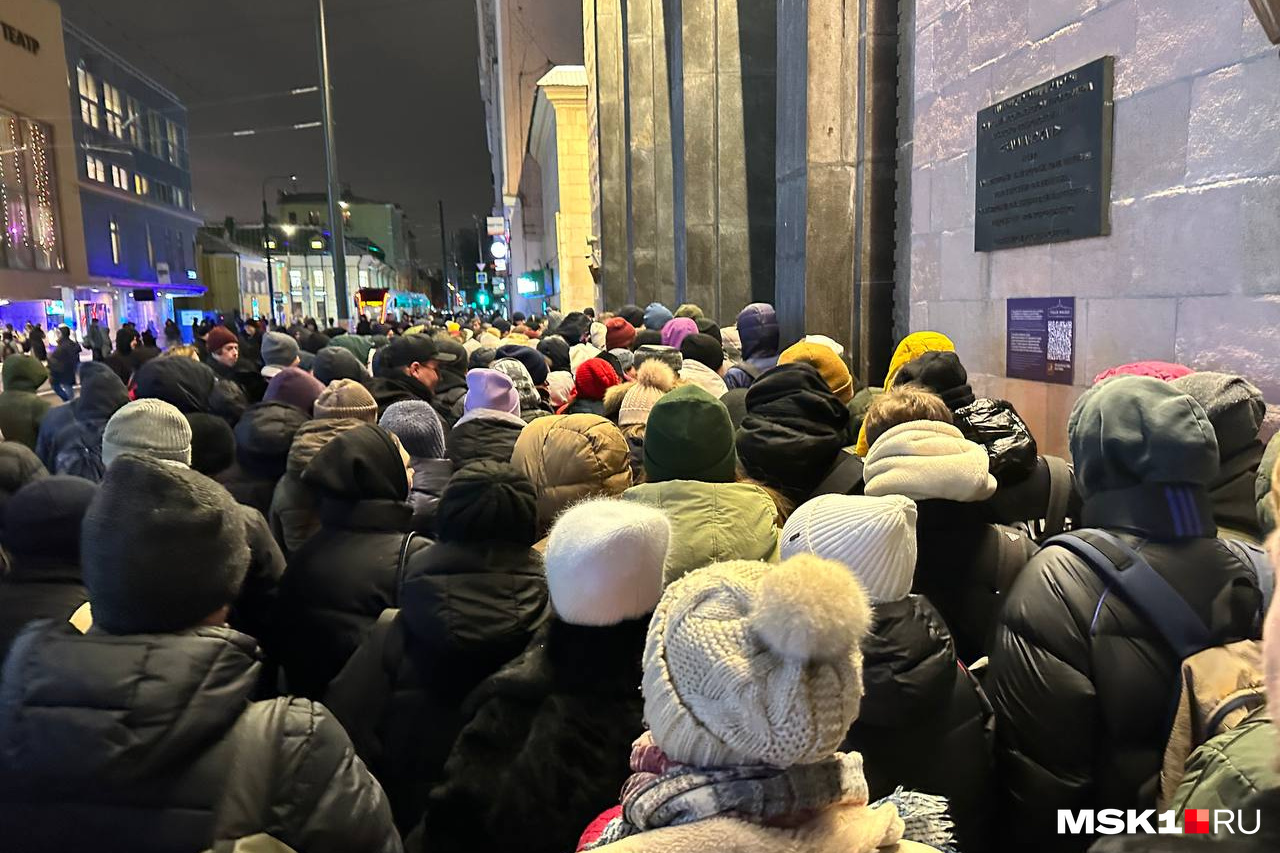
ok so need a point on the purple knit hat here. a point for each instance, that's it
(491, 389)
(674, 333)
(294, 386)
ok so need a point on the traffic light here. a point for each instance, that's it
(482, 298)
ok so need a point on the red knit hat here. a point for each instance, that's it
(219, 337)
(619, 334)
(594, 377)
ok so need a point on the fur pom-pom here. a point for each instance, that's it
(811, 610)
(655, 373)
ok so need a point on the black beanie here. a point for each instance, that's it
(556, 349)
(646, 337)
(709, 327)
(19, 465)
(179, 381)
(486, 501)
(337, 363)
(213, 445)
(482, 357)
(44, 517)
(939, 372)
(703, 348)
(633, 314)
(162, 547)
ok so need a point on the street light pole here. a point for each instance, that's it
(444, 258)
(266, 243)
(337, 239)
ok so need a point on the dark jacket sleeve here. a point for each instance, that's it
(1044, 700)
(253, 609)
(331, 803)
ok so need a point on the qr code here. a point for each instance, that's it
(1059, 348)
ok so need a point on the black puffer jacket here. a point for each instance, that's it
(37, 588)
(449, 394)
(430, 476)
(393, 386)
(1083, 685)
(490, 435)
(345, 575)
(466, 609)
(245, 373)
(546, 747)
(125, 742)
(102, 394)
(918, 704)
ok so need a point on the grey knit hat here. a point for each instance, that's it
(626, 358)
(162, 548)
(417, 426)
(149, 427)
(669, 355)
(346, 398)
(1234, 405)
(279, 349)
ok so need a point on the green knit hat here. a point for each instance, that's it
(689, 437)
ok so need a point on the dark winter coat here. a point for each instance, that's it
(759, 332)
(450, 391)
(430, 476)
(466, 609)
(63, 361)
(102, 394)
(1266, 804)
(245, 373)
(264, 436)
(583, 406)
(1232, 494)
(253, 610)
(295, 509)
(341, 580)
(546, 747)
(124, 742)
(393, 386)
(483, 434)
(37, 588)
(1083, 685)
(919, 705)
(21, 410)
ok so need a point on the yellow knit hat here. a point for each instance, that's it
(827, 363)
(912, 347)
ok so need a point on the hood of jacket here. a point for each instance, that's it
(556, 349)
(23, 373)
(311, 437)
(909, 666)
(697, 373)
(758, 330)
(181, 382)
(1232, 491)
(1262, 486)
(264, 436)
(712, 522)
(93, 711)
(569, 458)
(101, 394)
(361, 464)
(473, 598)
(928, 460)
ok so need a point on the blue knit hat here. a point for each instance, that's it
(417, 426)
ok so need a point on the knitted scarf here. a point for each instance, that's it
(661, 792)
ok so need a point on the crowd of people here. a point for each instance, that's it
(633, 582)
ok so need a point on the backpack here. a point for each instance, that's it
(77, 450)
(1218, 685)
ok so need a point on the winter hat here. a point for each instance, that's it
(875, 538)
(451, 354)
(162, 548)
(488, 501)
(656, 316)
(337, 363)
(619, 334)
(295, 386)
(598, 335)
(653, 379)
(827, 342)
(941, 373)
(646, 338)
(612, 360)
(213, 445)
(364, 463)
(182, 382)
(925, 460)
(346, 398)
(44, 517)
(689, 437)
(523, 382)
(556, 350)
(626, 359)
(279, 349)
(152, 428)
(752, 664)
(19, 466)
(481, 357)
(827, 363)
(633, 314)
(668, 355)
(219, 337)
(574, 328)
(688, 309)
(711, 328)
(604, 561)
(1164, 370)
(560, 387)
(534, 362)
(912, 347)
(263, 438)
(491, 389)
(418, 427)
(593, 378)
(674, 333)
(1233, 404)
(703, 349)
(1132, 430)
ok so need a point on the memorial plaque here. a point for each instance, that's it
(1041, 337)
(1044, 162)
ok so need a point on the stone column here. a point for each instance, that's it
(606, 94)
(573, 218)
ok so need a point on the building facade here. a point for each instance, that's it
(138, 216)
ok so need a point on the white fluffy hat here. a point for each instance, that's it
(604, 561)
(875, 538)
(752, 663)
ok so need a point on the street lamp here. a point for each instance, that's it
(266, 239)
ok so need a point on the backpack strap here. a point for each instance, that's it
(1124, 570)
(1255, 561)
(1011, 556)
(1055, 517)
(404, 558)
(750, 369)
(844, 477)
(358, 695)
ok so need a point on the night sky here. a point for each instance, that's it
(410, 123)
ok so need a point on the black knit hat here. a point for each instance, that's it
(228, 401)
(337, 363)
(533, 361)
(633, 314)
(943, 374)
(213, 446)
(488, 501)
(162, 547)
(180, 382)
(19, 465)
(709, 327)
(646, 337)
(482, 357)
(556, 349)
(703, 348)
(44, 517)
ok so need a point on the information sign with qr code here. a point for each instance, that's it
(1040, 342)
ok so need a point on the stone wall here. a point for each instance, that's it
(1191, 270)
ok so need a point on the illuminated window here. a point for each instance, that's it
(28, 206)
(271, 244)
(115, 110)
(155, 136)
(95, 168)
(180, 197)
(88, 86)
(317, 243)
(115, 241)
(133, 118)
(173, 137)
(119, 178)
(363, 276)
(141, 185)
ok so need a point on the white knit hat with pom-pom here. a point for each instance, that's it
(751, 663)
(653, 379)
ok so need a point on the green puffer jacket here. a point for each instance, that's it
(1232, 767)
(712, 522)
(20, 409)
